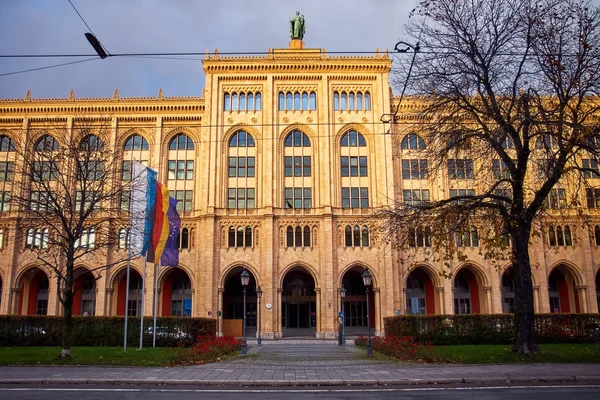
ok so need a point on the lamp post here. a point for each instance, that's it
(258, 296)
(367, 277)
(343, 335)
(245, 276)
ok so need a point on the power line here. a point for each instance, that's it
(74, 8)
(48, 67)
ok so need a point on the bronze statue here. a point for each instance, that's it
(297, 26)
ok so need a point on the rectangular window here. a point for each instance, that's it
(288, 164)
(241, 167)
(298, 198)
(38, 201)
(180, 170)
(44, 171)
(124, 200)
(5, 198)
(7, 171)
(557, 198)
(461, 192)
(41, 307)
(90, 170)
(415, 197)
(184, 200)
(241, 198)
(593, 198)
(126, 170)
(354, 166)
(590, 168)
(460, 169)
(414, 169)
(90, 198)
(353, 197)
(500, 170)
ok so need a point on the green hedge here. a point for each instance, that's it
(16, 330)
(493, 329)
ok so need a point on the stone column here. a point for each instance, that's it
(108, 302)
(14, 305)
(277, 329)
(220, 308)
(440, 294)
(488, 299)
(582, 293)
(378, 316)
(536, 299)
(320, 313)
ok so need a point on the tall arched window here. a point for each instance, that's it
(281, 101)
(242, 102)
(355, 236)
(359, 101)
(313, 101)
(305, 101)
(91, 142)
(227, 102)
(336, 101)
(367, 101)
(250, 101)
(135, 142)
(240, 236)
(354, 170)
(597, 234)
(6, 144)
(46, 143)
(412, 142)
(257, 100)
(297, 165)
(289, 102)
(181, 142)
(289, 236)
(234, 102)
(184, 236)
(241, 171)
(351, 101)
(180, 171)
(307, 240)
(123, 242)
(344, 105)
(297, 105)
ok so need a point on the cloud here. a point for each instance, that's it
(158, 26)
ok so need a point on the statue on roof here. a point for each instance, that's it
(297, 26)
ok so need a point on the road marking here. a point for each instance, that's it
(345, 390)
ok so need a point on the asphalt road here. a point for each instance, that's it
(355, 393)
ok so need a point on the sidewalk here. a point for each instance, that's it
(314, 363)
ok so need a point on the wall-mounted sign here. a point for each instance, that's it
(268, 306)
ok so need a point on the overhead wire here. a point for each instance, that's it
(48, 66)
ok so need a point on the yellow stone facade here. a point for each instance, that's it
(316, 82)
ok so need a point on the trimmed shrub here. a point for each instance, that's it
(208, 348)
(30, 330)
(492, 328)
(404, 348)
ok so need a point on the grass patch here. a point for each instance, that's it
(501, 354)
(47, 355)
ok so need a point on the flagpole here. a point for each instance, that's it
(156, 269)
(127, 288)
(143, 301)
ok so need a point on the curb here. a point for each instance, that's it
(311, 382)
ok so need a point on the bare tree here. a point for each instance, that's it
(509, 94)
(71, 201)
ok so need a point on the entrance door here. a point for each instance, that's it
(298, 303)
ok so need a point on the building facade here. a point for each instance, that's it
(277, 167)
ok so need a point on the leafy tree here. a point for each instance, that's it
(70, 198)
(509, 95)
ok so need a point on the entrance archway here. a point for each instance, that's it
(467, 292)
(84, 293)
(298, 304)
(34, 293)
(420, 298)
(562, 294)
(233, 304)
(134, 307)
(355, 302)
(177, 294)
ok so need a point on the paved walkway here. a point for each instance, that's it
(286, 363)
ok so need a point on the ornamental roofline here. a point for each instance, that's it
(112, 100)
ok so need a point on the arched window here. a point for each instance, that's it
(91, 142)
(250, 102)
(359, 101)
(296, 139)
(336, 101)
(289, 102)
(135, 142)
(546, 141)
(185, 239)
(227, 102)
(351, 101)
(257, 100)
(307, 236)
(234, 102)
(239, 239)
(568, 239)
(241, 139)
(37, 239)
(231, 237)
(560, 240)
(248, 237)
(597, 234)
(181, 142)
(46, 143)
(6, 144)
(348, 236)
(242, 102)
(281, 101)
(344, 105)
(356, 236)
(290, 237)
(298, 237)
(297, 101)
(551, 236)
(353, 139)
(367, 101)
(305, 101)
(412, 142)
(123, 238)
(365, 236)
(313, 101)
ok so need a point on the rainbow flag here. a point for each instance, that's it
(170, 256)
(159, 223)
(143, 198)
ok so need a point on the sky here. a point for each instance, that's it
(159, 26)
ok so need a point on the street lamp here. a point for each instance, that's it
(245, 276)
(342, 341)
(258, 296)
(367, 277)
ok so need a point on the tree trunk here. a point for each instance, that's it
(68, 312)
(524, 315)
